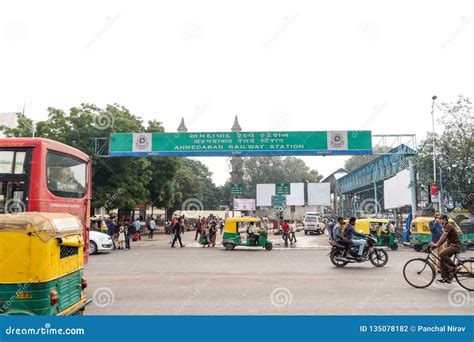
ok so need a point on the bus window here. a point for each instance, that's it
(19, 163)
(66, 176)
(12, 162)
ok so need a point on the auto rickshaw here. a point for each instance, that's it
(379, 228)
(251, 227)
(467, 237)
(41, 268)
(420, 231)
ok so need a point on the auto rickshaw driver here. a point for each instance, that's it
(253, 232)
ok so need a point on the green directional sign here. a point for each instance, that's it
(236, 189)
(241, 143)
(278, 201)
(282, 189)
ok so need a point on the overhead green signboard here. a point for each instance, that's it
(241, 143)
(282, 189)
(236, 189)
(278, 201)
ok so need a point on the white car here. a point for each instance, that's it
(313, 224)
(99, 242)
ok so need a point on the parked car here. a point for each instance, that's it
(313, 224)
(99, 242)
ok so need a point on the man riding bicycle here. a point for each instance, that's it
(454, 246)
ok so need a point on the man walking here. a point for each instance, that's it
(151, 227)
(177, 233)
(129, 228)
(198, 228)
(285, 233)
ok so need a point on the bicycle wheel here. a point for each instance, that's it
(419, 273)
(465, 274)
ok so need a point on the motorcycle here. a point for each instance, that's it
(376, 255)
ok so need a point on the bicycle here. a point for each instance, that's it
(421, 272)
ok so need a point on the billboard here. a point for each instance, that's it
(319, 194)
(296, 196)
(396, 192)
(244, 204)
(264, 194)
(266, 191)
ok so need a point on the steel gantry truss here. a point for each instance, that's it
(385, 166)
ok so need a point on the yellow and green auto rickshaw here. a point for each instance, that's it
(382, 229)
(420, 233)
(251, 227)
(467, 237)
(41, 268)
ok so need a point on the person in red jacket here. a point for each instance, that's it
(286, 232)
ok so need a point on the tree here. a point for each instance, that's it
(454, 152)
(24, 127)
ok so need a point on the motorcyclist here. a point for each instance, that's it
(349, 233)
(338, 235)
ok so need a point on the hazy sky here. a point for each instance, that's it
(279, 65)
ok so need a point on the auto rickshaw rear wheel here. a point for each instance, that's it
(394, 246)
(268, 246)
(229, 246)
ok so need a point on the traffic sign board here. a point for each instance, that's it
(236, 189)
(282, 189)
(306, 143)
(278, 201)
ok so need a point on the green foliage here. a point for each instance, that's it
(454, 152)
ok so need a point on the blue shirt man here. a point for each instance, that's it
(436, 229)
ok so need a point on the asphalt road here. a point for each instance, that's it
(153, 279)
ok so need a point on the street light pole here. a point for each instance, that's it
(433, 137)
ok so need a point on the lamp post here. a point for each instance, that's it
(433, 137)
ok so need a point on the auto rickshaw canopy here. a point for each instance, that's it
(230, 225)
(39, 247)
(421, 225)
(467, 226)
